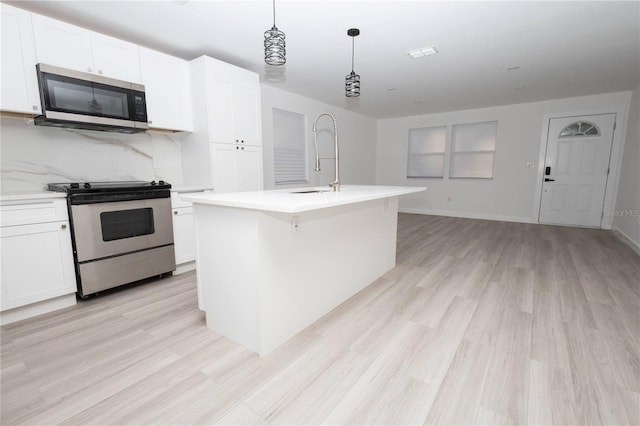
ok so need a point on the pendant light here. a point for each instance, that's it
(352, 81)
(274, 46)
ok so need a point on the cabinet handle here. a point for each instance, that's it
(242, 148)
(63, 226)
(175, 212)
(242, 141)
(237, 147)
(236, 140)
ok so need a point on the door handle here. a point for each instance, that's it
(549, 180)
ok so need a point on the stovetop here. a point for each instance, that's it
(107, 187)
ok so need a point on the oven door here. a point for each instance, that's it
(114, 228)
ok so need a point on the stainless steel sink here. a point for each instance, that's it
(310, 191)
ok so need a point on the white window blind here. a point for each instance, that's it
(473, 147)
(289, 147)
(426, 152)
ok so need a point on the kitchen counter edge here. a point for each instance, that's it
(286, 201)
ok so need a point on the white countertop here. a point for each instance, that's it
(183, 189)
(292, 201)
(30, 195)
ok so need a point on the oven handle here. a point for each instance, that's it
(93, 198)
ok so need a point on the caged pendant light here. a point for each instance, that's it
(274, 46)
(352, 81)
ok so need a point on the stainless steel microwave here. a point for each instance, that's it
(81, 100)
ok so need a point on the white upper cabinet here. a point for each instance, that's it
(115, 58)
(168, 91)
(68, 46)
(19, 81)
(233, 102)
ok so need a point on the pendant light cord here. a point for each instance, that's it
(274, 13)
(353, 43)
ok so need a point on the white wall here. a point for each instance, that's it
(513, 193)
(357, 139)
(32, 156)
(626, 216)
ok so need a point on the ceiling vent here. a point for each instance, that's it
(425, 51)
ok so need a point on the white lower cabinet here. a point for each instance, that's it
(184, 237)
(37, 259)
(236, 168)
(184, 234)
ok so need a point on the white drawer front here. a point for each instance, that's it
(14, 213)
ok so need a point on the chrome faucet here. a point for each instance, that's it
(336, 182)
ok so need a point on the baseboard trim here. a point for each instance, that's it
(627, 240)
(38, 308)
(468, 215)
(185, 267)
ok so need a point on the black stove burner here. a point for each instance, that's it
(103, 192)
(99, 187)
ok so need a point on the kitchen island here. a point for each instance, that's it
(270, 263)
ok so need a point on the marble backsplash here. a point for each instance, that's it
(32, 156)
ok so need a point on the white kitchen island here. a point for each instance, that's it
(270, 263)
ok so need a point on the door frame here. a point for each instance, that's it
(615, 161)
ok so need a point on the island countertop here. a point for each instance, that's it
(295, 200)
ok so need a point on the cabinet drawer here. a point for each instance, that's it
(177, 202)
(15, 213)
(181, 211)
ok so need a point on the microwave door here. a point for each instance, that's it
(84, 97)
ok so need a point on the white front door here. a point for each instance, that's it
(576, 170)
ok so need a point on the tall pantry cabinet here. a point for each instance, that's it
(225, 149)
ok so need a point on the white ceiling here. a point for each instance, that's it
(563, 48)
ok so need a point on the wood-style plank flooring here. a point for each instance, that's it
(480, 323)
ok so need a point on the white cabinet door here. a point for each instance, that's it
(61, 44)
(184, 236)
(249, 168)
(115, 58)
(220, 110)
(236, 168)
(37, 263)
(246, 114)
(167, 88)
(19, 81)
(223, 167)
(233, 104)
(68, 46)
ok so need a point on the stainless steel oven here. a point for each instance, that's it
(122, 232)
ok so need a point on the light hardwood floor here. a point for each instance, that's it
(480, 322)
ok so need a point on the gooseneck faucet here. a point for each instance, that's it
(336, 182)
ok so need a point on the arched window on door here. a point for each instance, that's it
(580, 128)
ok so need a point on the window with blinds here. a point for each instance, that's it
(426, 152)
(473, 147)
(289, 147)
